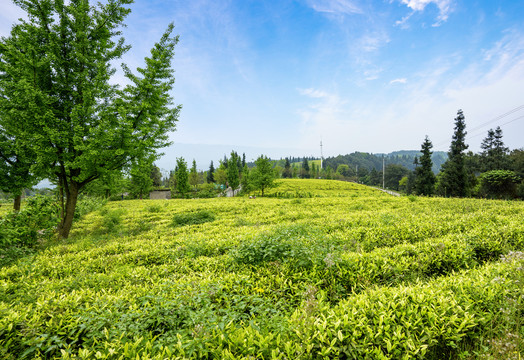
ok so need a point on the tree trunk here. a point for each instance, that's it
(61, 196)
(16, 204)
(70, 206)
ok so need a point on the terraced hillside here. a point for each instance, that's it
(319, 269)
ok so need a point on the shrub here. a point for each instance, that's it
(500, 184)
(193, 218)
(88, 204)
(20, 231)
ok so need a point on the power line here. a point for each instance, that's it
(512, 111)
(506, 123)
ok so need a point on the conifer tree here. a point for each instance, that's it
(193, 174)
(287, 173)
(211, 173)
(182, 177)
(305, 169)
(454, 178)
(424, 177)
(494, 155)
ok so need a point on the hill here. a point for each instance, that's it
(369, 161)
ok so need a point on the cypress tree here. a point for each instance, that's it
(424, 177)
(210, 173)
(454, 175)
(182, 177)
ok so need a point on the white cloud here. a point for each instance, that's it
(313, 93)
(346, 7)
(444, 6)
(374, 41)
(399, 81)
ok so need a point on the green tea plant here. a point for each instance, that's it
(349, 272)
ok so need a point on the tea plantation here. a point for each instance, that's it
(317, 270)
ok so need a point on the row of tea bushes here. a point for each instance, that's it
(431, 320)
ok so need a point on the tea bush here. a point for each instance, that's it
(350, 272)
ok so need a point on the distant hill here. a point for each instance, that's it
(374, 161)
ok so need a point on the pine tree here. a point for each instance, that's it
(454, 179)
(193, 174)
(424, 177)
(287, 173)
(211, 173)
(494, 155)
(305, 169)
(182, 177)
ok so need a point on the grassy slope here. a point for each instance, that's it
(345, 271)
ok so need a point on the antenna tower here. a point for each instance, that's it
(321, 154)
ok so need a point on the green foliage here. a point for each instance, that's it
(193, 175)
(193, 218)
(499, 184)
(394, 173)
(112, 220)
(494, 153)
(424, 177)
(349, 272)
(262, 176)
(284, 245)
(233, 175)
(56, 87)
(156, 176)
(211, 173)
(21, 231)
(182, 177)
(454, 177)
(87, 204)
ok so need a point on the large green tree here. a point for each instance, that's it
(55, 84)
(424, 176)
(454, 177)
(262, 176)
(394, 173)
(233, 173)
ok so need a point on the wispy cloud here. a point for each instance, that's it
(374, 41)
(398, 81)
(313, 93)
(346, 7)
(444, 6)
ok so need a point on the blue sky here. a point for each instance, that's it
(276, 77)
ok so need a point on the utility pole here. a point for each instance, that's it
(383, 173)
(321, 154)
